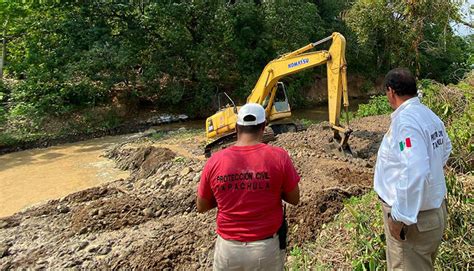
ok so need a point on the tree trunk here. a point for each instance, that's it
(4, 53)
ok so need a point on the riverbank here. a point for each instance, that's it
(73, 129)
(80, 127)
(148, 220)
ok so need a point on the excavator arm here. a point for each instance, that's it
(297, 61)
(223, 122)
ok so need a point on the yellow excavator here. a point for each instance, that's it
(271, 94)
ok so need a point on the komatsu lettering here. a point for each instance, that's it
(299, 62)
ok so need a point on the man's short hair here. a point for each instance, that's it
(402, 81)
(250, 129)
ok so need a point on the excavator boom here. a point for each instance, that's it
(223, 122)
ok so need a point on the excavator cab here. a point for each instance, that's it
(280, 103)
(276, 103)
(225, 101)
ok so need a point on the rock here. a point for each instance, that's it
(149, 132)
(158, 213)
(3, 224)
(72, 263)
(164, 183)
(41, 262)
(63, 209)
(196, 178)
(4, 250)
(163, 176)
(82, 245)
(165, 118)
(104, 250)
(148, 212)
(100, 213)
(93, 249)
(83, 230)
(182, 129)
(185, 171)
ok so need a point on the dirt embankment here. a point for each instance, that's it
(149, 220)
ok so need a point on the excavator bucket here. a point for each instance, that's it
(339, 145)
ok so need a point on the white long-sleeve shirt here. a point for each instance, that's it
(409, 172)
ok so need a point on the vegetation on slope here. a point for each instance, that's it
(355, 239)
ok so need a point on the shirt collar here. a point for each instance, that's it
(413, 100)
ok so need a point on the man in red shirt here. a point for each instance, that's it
(247, 183)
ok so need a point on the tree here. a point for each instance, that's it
(401, 32)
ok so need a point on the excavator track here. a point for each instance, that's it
(227, 140)
(269, 135)
(288, 127)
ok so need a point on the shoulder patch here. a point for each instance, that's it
(406, 144)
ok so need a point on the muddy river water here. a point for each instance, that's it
(34, 176)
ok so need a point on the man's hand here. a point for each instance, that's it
(395, 228)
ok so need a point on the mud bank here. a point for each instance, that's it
(149, 219)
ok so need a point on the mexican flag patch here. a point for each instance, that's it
(406, 144)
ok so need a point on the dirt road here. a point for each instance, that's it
(149, 219)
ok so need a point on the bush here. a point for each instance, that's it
(377, 105)
(454, 105)
(455, 252)
(368, 240)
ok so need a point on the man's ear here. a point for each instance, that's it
(391, 92)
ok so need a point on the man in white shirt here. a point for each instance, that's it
(409, 177)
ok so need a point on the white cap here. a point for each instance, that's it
(251, 114)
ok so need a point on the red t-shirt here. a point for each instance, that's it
(247, 182)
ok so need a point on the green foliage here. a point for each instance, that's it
(377, 105)
(67, 57)
(307, 122)
(355, 240)
(344, 117)
(158, 135)
(4, 92)
(369, 239)
(454, 105)
(414, 34)
(179, 159)
(456, 252)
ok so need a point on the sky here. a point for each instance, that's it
(463, 30)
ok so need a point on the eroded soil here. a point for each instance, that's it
(149, 220)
